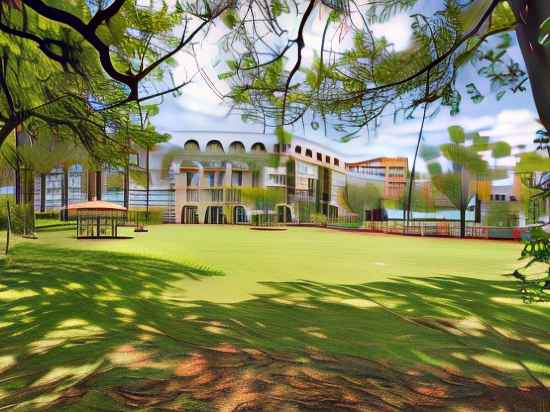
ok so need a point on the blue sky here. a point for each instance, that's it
(512, 119)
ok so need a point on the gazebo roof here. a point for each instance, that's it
(96, 205)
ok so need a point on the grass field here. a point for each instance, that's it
(225, 318)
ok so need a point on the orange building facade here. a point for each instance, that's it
(394, 170)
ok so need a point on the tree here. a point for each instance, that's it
(361, 197)
(468, 173)
(134, 42)
(356, 77)
(264, 199)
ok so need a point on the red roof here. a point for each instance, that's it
(96, 205)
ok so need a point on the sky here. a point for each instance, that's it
(512, 119)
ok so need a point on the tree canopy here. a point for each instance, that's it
(355, 77)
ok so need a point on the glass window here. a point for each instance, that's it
(210, 177)
(221, 177)
(192, 179)
(237, 178)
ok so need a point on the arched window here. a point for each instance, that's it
(214, 146)
(258, 147)
(298, 149)
(191, 146)
(309, 153)
(236, 147)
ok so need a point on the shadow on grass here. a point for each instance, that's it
(90, 329)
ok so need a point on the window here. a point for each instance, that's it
(513, 199)
(319, 157)
(133, 159)
(258, 147)
(311, 184)
(237, 178)
(255, 179)
(192, 178)
(214, 146)
(309, 153)
(236, 147)
(277, 179)
(298, 149)
(221, 177)
(210, 178)
(336, 162)
(327, 159)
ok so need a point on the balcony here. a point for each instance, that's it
(192, 195)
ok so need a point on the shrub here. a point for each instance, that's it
(318, 218)
(154, 217)
(47, 215)
(536, 287)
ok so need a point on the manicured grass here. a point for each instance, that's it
(68, 308)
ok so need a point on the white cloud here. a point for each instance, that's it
(396, 30)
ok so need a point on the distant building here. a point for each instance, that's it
(394, 171)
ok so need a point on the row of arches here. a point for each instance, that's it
(216, 215)
(215, 146)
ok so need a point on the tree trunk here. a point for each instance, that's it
(65, 194)
(530, 15)
(43, 192)
(478, 209)
(98, 185)
(91, 185)
(462, 222)
(18, 194)
(147, 187)
(126, 186)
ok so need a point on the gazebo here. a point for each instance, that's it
(97, 219)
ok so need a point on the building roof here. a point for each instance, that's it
(96, 205)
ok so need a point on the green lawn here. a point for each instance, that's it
(87, 323)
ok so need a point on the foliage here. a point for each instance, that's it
(536, 287)
(501, 214)
(360, 197)
(263, 198)
(469, 174)
(423, 198)
(154, 216)
(135, 41)
(22, 217)
(355, 76)
(318, 219)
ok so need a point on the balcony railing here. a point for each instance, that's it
(192, 195)
(233, 195)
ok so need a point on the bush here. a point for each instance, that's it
(155, 216)
(535, 287)
(22, 219)
(53, 215)
(318, 219)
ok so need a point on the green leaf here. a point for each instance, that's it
(480, 143)
(428, 153)
(434, 169)
(544, 33)
(501, 149)
(230, 18)
(474, 93)
(457, 135)
(283, 136)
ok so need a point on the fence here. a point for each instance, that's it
(445, 229)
